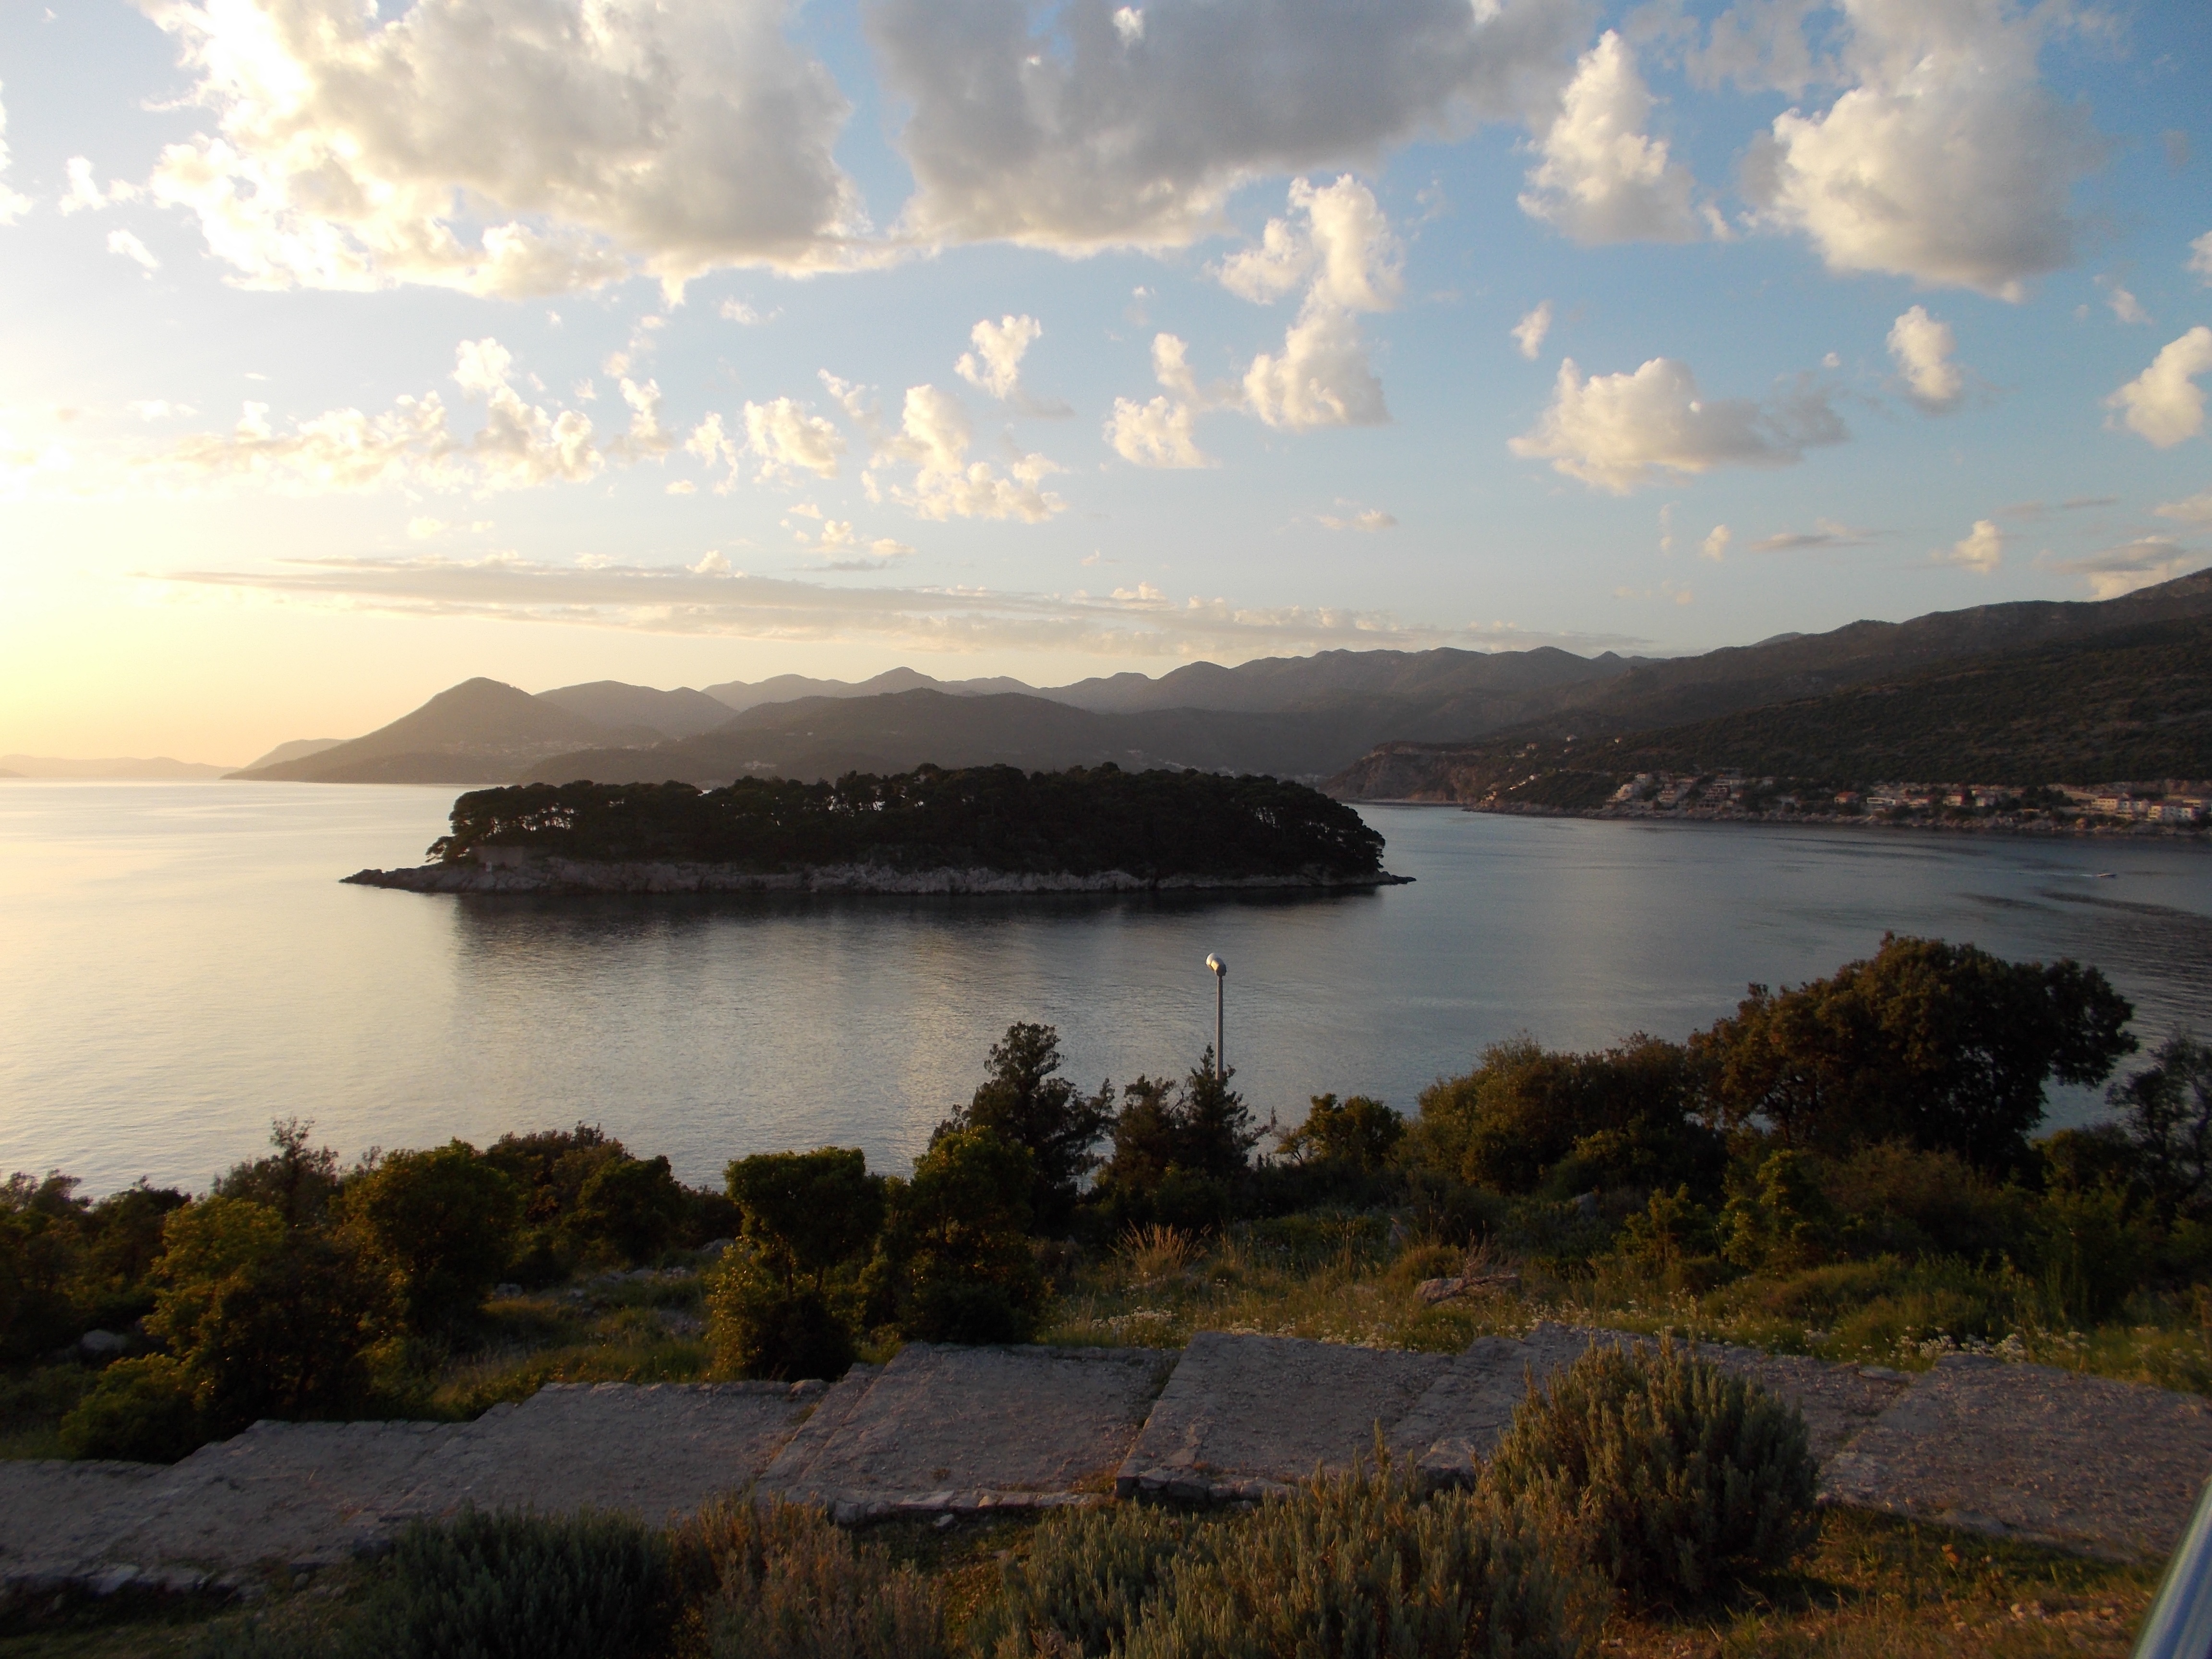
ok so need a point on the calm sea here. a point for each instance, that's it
(178, 964)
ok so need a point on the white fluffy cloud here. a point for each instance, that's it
(1715, 545)
(934, 435)
(1093, 126)
(1528, 333)
(1340, 244)
(2200, 257)
(1619, 431)
(1981, 550)
(995, 365)
(1922, 349)
(783, 438)
(2164, 404)
(519, 445)
(1946, 160)
(506, 147)
(1602, 177)
(1162, 433)
(2193, 509)
(2135, 564)
(130, 247)
(12, 206)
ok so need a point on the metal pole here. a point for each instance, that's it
(1220, 970)
(2179, 1623)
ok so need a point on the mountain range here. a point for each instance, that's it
(1307, 717)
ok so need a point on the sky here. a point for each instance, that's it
(350, 350)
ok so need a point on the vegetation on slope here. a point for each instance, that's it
(1151, 824)
(2134, 705)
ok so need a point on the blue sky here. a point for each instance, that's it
(349, 352)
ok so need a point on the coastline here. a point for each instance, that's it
(554, 877)
(2000, 826)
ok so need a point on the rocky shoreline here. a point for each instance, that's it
(558, 876)
(1637, 813)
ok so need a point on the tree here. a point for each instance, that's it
(634, 1205)
(1022, 1102)
(445, 1221)
(955, 1264)
(1360, 1135)
(1179, 1150)
(807, 1214)
(1942, 1046)
(298, 1182)
(2166, 1123)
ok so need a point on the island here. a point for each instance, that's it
(976, 829)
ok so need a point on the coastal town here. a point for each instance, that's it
(2168, 806)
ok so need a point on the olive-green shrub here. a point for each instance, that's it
(1087, 1574)
(1360, 1564)
(778, 1580)
(1674, 1475)
(141, 1410)
(760, 1324)
(502, 1585)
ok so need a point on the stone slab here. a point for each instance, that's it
(300, 1495)
(953, 1429)
(57, 1516)
(658, 1452)
(2109, 1468)
(1244, 1417)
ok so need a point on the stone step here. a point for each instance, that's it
(946, 1429)
(1247, 1416)
(2052, 1456)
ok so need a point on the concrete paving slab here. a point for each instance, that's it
(659, 1450)
(2108, 1468)
(956, 1429)
(1244, 1417)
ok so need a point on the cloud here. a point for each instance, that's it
(1074, 127)
(12, 206)
(1368, 519)
(1922, 347)
(2164, 404)
(841, 545)
(934, 433)
(1603, 179)
(123, 242)
(505, 147)
(2124, 305)
(1946, 160)
(2123, 569)
(1825, 532)
(1162, 433)
(1340, 247)
(2194, 509)
(520, 446)
(1528, 333)
(783, 438)
(1981, 550)
(995, 365)
(1760, 46)
(736, 604)
(1619, 431)
(1715, 545)
(2200, 257)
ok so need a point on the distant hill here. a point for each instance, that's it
(159, 769)
(2133, 704)
(739, 694)
(479, 731)
(682, 713)
(298, 749)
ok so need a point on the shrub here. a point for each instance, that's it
(2167, 1120)
(510, 1586)
(955, 1264)
(1358, 1564)
(1899, 1198)
(141, 1410)
(1088, 1574)
(1781, 1221)
(445, 1219)
(632, 1205)
(777, 1581)
(1674, 1473)
(759, 1324)
(41, 1240)
(807, 1213)
(1361, 1133)
(298, 1181)
(1180, 1152)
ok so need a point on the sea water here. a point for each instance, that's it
(180, 964)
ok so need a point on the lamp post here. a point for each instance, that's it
(1220, 971)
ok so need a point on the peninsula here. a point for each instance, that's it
(980, 829)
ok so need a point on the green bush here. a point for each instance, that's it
(1022, 1102)
(1088, 1574)
(954, 1263)
(1674, 1474)
(446, 1220)
(1359, 1563)
(632, 1205)
(510, 1586)
(759, 1324)
(141, 1410)
(778, 1580)
(807, 1213)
